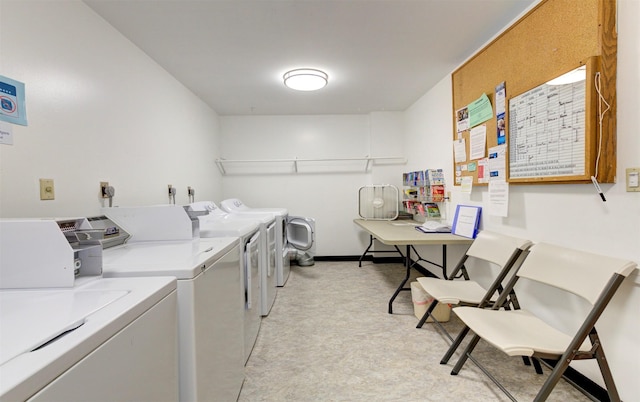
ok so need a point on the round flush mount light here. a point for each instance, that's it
(305, 79)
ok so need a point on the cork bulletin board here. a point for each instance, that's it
(552, 39)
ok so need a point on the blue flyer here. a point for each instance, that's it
(12, 103)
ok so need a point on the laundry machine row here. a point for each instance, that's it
(209, 271)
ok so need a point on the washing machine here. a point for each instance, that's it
(301, 237)
(91, 339)
(268, 255)
(216, 223)
(209, 291)
(281, 214)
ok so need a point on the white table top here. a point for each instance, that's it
(402, 232)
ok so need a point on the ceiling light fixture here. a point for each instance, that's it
(305, 79)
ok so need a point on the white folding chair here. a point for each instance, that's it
(493, 248)
(520, 333)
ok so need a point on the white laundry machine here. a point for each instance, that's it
(217, 223)
(95, 339)
(269, 255)
(281, 214)
(210, 297)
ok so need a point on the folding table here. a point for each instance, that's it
(403, 233)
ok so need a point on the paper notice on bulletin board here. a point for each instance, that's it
(477, 142)
(462, 119)
(460, 150)
(501, 94)
(498, 162)
(480, 111)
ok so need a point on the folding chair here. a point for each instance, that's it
(501, 250)
(520, 333)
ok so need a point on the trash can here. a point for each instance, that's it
(422, 300)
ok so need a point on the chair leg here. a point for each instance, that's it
(552, 380)
(467, 351)
(427, 313)
(454, 345)
(536, 365)
(606, 374)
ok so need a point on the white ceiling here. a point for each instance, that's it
(381, 55)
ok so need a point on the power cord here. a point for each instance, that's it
(601, 114)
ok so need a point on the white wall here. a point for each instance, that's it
(326, 191)
(98, 110)
(569, 215)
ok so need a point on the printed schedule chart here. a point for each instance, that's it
(547, 131)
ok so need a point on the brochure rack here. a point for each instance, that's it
(423, 192)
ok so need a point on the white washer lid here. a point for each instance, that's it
(277, 211)
(262, 217)
(218, 227)
(182, 259)
(31, 317)
(235, 205)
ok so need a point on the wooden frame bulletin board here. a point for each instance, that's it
(555, 37)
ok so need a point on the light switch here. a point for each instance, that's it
(46, 189)
(633, 179)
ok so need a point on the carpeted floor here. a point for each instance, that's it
(329, 338)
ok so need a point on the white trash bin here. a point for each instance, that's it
(422, 300)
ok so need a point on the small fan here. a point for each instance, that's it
(378, 202)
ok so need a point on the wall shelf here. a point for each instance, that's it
(297, 163)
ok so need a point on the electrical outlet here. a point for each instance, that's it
(47, 191)
(103, 189)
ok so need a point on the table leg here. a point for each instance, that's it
(444, 261)
(407, 264)
(365, 251)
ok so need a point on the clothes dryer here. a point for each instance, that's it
(216, 223)
(268, 254)
(210, 301)
(281, 214)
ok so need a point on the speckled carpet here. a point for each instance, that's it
(329, 338)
